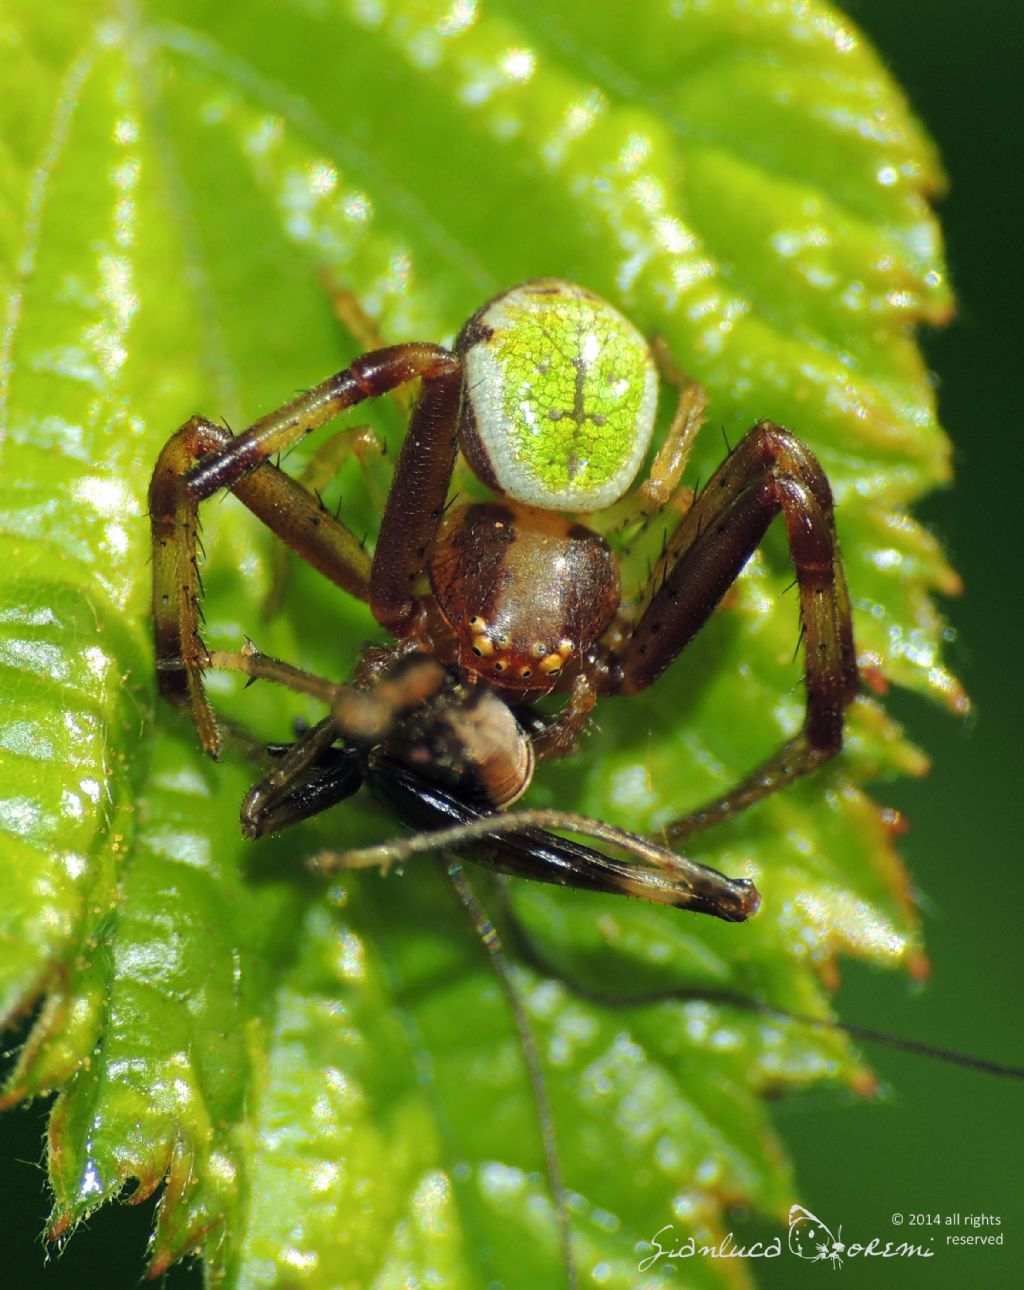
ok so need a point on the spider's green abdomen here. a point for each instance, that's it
(561, 393)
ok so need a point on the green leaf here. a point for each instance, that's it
(330, 1083)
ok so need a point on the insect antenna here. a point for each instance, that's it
(530, 953)
(488, 935)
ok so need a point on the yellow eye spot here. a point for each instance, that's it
(552, 665)
(499, 666)
(483, 646)
(477, 624)
(526, 672)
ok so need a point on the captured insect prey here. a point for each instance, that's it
(441, 759)
(550, 394)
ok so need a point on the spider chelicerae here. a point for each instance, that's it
(550, 394)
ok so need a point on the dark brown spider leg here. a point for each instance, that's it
(768, 472)
(281, 503)
(362, 327)
(201, 458)
(416, 501)
(361, 442)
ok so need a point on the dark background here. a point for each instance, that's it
(944, 1140)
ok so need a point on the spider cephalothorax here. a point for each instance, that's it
(526, 593)
(551, 395)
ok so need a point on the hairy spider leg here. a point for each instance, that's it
(362, 327)
(768, 472)
(202, 458)
(276, 499)
(361, 442)
(369, 450)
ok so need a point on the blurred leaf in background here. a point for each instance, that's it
(330, 1083)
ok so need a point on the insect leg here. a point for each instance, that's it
(524, 945)
(518, 843)
(307, 777)
(488, 935)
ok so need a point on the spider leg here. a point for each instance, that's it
(557, 737)
(362, 327)
(202, 458)
(368, 448)
(362, 442)
(768, 472)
